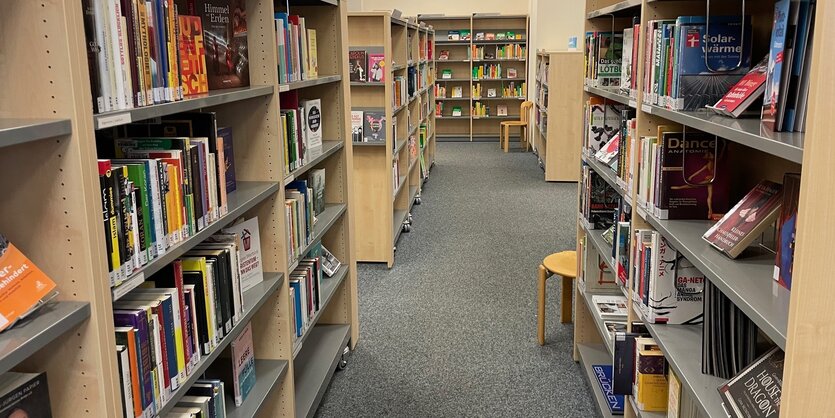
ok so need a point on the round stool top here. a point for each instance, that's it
(563, 263)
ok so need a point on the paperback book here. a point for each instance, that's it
(610, 306)
(745, 221)
(23, 286)
(225, 34)
(786, 230)
(756, 391)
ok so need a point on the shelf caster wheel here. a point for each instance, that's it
(417, 201)
(343, 361)
(407, 228)
(409, 218)
(394, 249)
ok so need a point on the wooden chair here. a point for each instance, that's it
(524, 115)
(562, 264)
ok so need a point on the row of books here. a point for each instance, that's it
(297, 49)
(481, 109)
(502, 52)
(368, 125)
(306, 292)
(304, 201)
(598, 199)
(182, 313)
(164, 182)
(367, 65)
(301, 127)
(425, 77)
(542, 73)
(395, 172)
(401, 91)
(145, 53)
(456, 110)
(466, 35)
(487, 71)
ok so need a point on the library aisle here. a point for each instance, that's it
(450, 330)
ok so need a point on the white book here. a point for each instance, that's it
(312, 126)
(99, 12)
(191, 300)
(249, 251)
(610, 306)
(124, 374)
(118, 53)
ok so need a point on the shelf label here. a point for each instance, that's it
(646, 108)
(114, 120)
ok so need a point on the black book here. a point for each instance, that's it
(756, 391)
(623, 362)
(25, 395)
(108, 214)
(196, 279)
(223, 278)
(120, 202)
(197, 186)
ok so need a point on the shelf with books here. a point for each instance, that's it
(247, 196)
(503, 117)
(746, 281)
(269, 374)
(611, 94)
(451, 99)
(328, 148)
(748, 132)
(315, 365)
(254, 298)
(14, 131)
(588, 295)
(607, 173)
(500, 98)
(502, 42)
(451, 80)
(363, 84)
(295, 85)
(440, 61)
(46, 324)
(332, 213)
(447, 42)
(329, 287)
(500, 60)
(592, 355)
(499, 79)
(603, 248)
(682, 346)
(624, 8)
(210, 99)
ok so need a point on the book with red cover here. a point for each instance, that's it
(694, 179)
(192, 56)
(739, 227)
(744, 93)
(786, 229)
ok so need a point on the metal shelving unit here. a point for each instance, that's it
(329, 286)
(611, 94)
(591, 355)
(315, 365)
(269, 374)
(14, 131)
(309, 83)
(624, 8)
(324, 222)
(328, 149)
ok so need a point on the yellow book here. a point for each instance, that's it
(198, 265)
(312, 53)
(651, 383)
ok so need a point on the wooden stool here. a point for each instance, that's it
(562, 264)
(522, 123)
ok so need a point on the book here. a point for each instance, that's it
(192, 56)
(249, 252)
(673, 394)
(456, 111)
(744, 93)
(356, 126)
(746, 220)
(24, 395)
(225, 32)
(608, 153)
(626, 61)
(377, 67)
(610, 306)
(23, 286)
(312, 54)
(317, 183)
(756, 391)
(650, 382)
(603, 374)
(491, 93)
(312, 125)
(443, 55)
(243, 367)
(446, 74)
(779, 57)
(224, 136)
(330, 264)
(786, 230)
(511, 73)
(453, 35)
(374, 126)
(501, 110)
(357, 65)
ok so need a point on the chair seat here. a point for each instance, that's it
(514, 123)
(563, 263)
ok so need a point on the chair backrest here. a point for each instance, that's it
(524, 111)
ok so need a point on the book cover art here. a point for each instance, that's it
(317, 183)
(312, 126)
(777, 49)
(744, 92)
(249, 252)
(243, 371)
(22, 284)
(603, 374)
(224, 135)
(741, 225)
(786, 230)
(756, 391)
(698, 81)
(622, 253)
(376, 68)
(24, 395)
(358, 65)
(610, 306)
(676, 292)
(626, 61)
(608, 153)
(312, 54)
(356, 125)
(374, 126)
(609, 56)
(695, 176)
(603, 123)
(225, 41)
(602, 201)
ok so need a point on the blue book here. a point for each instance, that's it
(805, 17)
(297, 305)
(138, 319)
(603, 373)
(771, 98)
(699, 83)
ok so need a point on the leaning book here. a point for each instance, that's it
(756, 391)
(24, 395)
(244, 365)
(745, 221)
(23, 286)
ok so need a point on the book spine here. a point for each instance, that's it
(145, 52)
(130, 50)
(124, 376)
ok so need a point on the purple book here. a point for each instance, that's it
(138, 319)
(225, 134)
(694, 182)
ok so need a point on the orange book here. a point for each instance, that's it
(22, 284)
(127, 336)
(192, 56)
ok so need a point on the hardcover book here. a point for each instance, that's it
(602, 201)
(374, 126)
(676, 292)
(24, 395)
(745, 221)
(603, 374)
(501, 110)
(225, 41)
(610, 51)
(744, 93)
(249, 252)
(603, 123)
(357, 65)
(756, 391)
(376, 68)
(312, 126)
(626, 61)
(651, 384)
(610, 306)
(317, 183)
(243, 367)
(224, 135)
(772, 114)
(786, 230)
(192, 56)
(330, 264)
(356, 126)
(23, 286)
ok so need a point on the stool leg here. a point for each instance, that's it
(540, 317)
(565, 315)
(501, 135)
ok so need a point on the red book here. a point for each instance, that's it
(192, 56)
(745, 221)
(744, 93)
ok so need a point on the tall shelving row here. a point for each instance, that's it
(462, 57)
(557, 119)
(792, 320)
(53, 211)
(389, 172)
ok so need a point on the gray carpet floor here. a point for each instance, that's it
(450, 331)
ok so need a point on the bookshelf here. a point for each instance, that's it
(792, 320)
(556, 148)
(47, 130)
(467, 55)
(389, 174)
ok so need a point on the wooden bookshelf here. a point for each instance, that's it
(557, 149)
(461, 64)
(793, 320)
(47, 134)
(385, 204)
